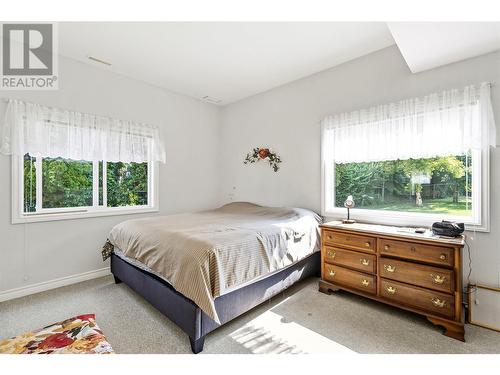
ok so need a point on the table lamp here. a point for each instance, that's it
(349, 203)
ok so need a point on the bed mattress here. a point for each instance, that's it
(143, 267)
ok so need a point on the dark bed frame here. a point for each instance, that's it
(188, 316)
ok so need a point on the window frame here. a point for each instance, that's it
(480, 198)
(69, 213)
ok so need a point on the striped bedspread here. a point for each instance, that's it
(203, 254)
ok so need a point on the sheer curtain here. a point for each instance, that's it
(449, 123)
(52, 132)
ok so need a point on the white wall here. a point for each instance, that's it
(287, 118)
(40, 252)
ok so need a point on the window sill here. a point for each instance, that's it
(400, 219)
(82, 213)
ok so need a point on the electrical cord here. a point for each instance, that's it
(469, 288)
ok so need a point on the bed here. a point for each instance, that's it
(204, 269)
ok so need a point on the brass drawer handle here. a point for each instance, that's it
(329, 236)
(442, 257)
(389, 268)
(438, 279)
(386, 247)
(391, 290)
(331, 254)
(364, 262)
(365, 282)
(438, 303)
(331, 273)
(368, 244)
(413, 249)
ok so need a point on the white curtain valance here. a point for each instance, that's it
(450, 123)
(57, 133)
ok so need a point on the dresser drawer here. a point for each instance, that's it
(425, 253)
(352, 259)
(351, 279)
(422, 299)
(351, 241)
(417, 274)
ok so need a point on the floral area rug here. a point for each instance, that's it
(78, 335)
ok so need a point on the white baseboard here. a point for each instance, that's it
(52, 284)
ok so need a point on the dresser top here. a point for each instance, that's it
(403, 232)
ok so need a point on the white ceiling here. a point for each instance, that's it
(226, 61)
(427, 45)
(232, 61)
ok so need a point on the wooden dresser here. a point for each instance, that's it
(416, 272)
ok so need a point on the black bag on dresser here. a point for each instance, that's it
(447, 228)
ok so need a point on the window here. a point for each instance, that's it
(414, 192)
(126, 184)
(69, 165)
(413, 162)
(440, 185)
(76, 187)
(65, 183)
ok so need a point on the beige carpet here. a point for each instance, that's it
(301, 320)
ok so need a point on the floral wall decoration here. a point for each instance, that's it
(261, 153)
